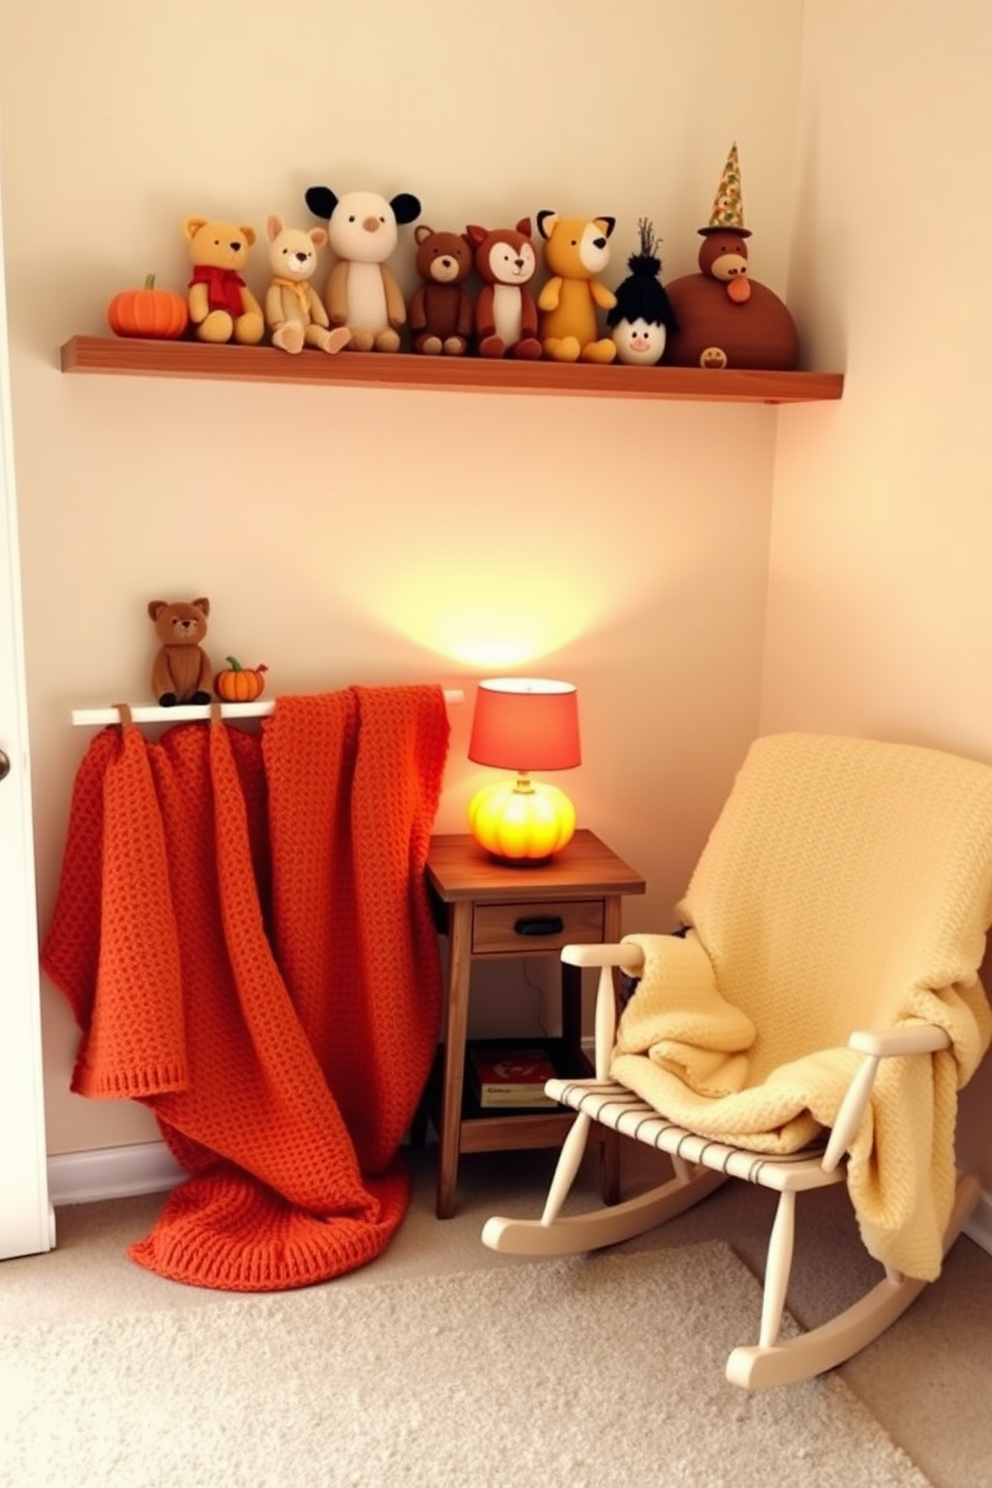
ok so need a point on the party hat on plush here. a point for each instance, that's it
(728, 204)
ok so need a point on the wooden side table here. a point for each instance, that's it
(490, 909)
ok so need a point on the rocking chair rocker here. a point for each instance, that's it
(846, 886)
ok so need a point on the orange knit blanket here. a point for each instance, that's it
(243, 933)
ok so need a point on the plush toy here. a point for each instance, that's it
(505, 312)
(181, 671)
(576, 249)
(642, 316)
(221, 306)
(726, 318)
(440, 311)
(293, 309)
(362, 292)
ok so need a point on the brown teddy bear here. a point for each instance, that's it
(221, 306)
(440, 312)
(181, 671)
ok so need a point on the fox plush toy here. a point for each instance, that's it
(505, 312)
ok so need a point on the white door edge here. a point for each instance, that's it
(26, 1217)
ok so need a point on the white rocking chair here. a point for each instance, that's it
(847, 885)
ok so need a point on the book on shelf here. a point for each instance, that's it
(510, 1075)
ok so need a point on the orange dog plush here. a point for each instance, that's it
(576, 249)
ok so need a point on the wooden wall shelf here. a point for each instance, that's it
(137, 358)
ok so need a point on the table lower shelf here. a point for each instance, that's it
(510, 1128)
(514, 1132)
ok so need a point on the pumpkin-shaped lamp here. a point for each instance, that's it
(524, 724)
(237, 684)
(155, 314)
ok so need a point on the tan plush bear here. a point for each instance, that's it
(181, 671)
(293, 309)
(221, 306)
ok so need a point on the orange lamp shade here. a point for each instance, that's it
(524, 724)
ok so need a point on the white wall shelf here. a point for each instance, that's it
(197, 712)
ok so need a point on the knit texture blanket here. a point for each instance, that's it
(847, 885)
(243, 933)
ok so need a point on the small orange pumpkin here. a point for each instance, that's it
(156, 314)
(238, 684)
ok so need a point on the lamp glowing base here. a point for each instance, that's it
(523, 823)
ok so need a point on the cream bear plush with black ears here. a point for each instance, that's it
(293, 310)
(362, 291)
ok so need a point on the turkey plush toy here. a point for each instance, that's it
(725, 317)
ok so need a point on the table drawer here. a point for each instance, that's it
(528, 929)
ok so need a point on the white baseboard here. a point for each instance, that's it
(111, 1173)
(149, 1167)
(979, 1226)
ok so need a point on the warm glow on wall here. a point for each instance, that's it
(489, 618)
(486, 626)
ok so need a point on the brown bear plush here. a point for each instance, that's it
(440, 312)
(181, 671)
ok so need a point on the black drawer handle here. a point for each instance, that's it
(539, 925)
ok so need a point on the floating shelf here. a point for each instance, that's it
(139, 358)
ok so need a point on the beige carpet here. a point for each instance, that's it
(927, 1380)
(595, 1372)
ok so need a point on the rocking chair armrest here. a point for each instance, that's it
(911, 1038)
(628, 957)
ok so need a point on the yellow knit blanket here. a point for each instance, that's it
(847, 885)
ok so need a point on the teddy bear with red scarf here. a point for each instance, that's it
(221, 306)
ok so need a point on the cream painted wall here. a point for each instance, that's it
(371, 536)
(880, 606)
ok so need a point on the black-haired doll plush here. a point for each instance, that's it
(642, 316)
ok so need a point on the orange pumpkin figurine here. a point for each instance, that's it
(726, 318)
(155, 314)
(238, 684)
